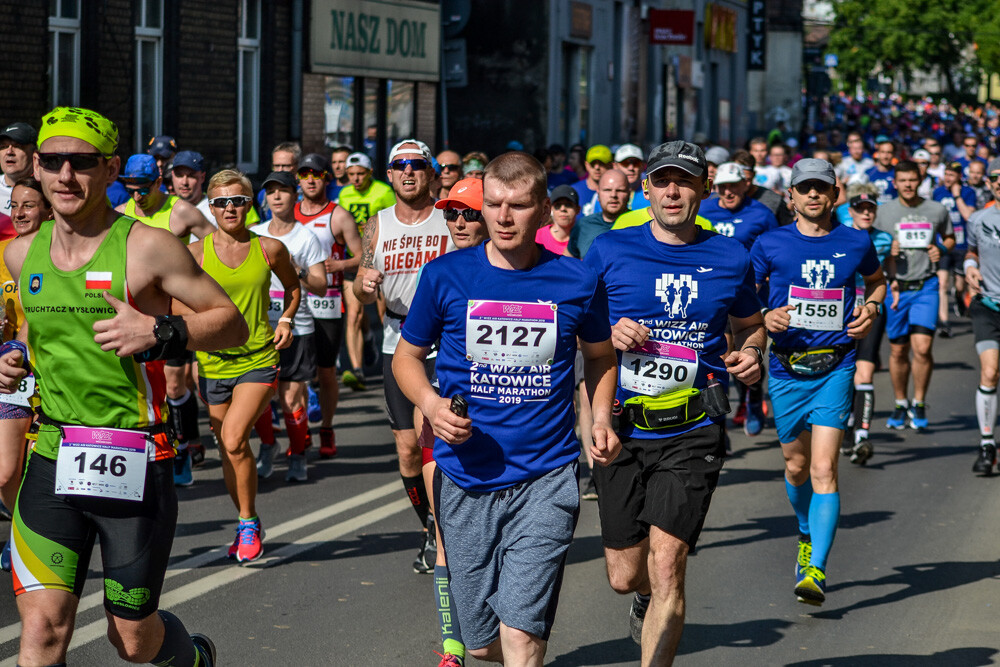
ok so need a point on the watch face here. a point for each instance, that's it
(164, 331)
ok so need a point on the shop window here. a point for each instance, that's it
(248, 92)
(148, 72)
(64, 54)
(339, 111)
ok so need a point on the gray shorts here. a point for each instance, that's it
(507, 552)
(218, 391)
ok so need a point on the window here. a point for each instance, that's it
(401, 110)
(339, 111)
(64, 56)
(148, 72)
(248, 95)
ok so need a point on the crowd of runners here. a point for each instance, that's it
(521, 311)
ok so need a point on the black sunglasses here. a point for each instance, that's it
(470, 214)
(451, 167)
(401, 165)
(224, 202)
(77, 161)
(142, 190)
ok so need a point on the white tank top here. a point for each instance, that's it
(400, 252)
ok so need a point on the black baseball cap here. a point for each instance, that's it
(680, 154)
(565, 192)
(863, 198)
(285, 179)
(955, 167)
(20, 133)
(162, 146)
(316, 162)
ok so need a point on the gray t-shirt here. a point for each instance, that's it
(913, 263)
(983, 236)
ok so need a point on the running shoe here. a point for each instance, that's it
(248, 540)
(846, 447)
(861, 452)
(918, 416)
(754, 422)
(986, 459)
(197, 451)
(450, 660)
(355, 379)
(296, 469)
(897, 420)
(205, 648)
(265, 461)
(812, 588)
(5, 558)
(802, 560)
(424, 562)
(327, 443)
(182, 469)
(944, 330)
(589, 490)
(315, 413)
(636, 615)
(740, 416)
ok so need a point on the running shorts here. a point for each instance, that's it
(804, 402)
(916, 308)
(985, 326)
(397, 405)
(184, 358)
(217, 391)
(298, 360)
(954, 261)
(328, 336)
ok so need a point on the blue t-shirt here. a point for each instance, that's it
(584, 231)
(943, 195)
(744, 224)
(117, 194)
(882, 180)
(522, 415)
(684, 294)
(565, 177)
(815, 266)
(588, 198)
(333, 190)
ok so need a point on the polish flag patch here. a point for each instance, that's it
(98, 280)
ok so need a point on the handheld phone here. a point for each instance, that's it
(459, 405)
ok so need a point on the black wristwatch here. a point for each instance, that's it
(878, 306)
(760, 353)
(303, 274)
(171, 336)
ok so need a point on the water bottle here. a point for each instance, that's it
(714, 398)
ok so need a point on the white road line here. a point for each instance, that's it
(96, 599)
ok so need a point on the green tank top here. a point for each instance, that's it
(80, 383)
(160, 219)
(248, 286)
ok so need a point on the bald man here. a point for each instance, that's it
(450, 166)
(613, 193)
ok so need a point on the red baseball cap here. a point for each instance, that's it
(467, 192)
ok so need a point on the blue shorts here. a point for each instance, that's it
(803, 402)
(916, 308)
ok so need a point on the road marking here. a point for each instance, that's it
(95, 599)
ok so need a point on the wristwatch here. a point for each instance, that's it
(165, 330)
(303, 274)
(878, 307)
(760, 353)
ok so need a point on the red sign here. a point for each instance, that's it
(671, 26)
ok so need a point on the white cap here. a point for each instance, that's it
(921, 154)
(359, 160)
(399, 149)
(729, 172)
(627, 152)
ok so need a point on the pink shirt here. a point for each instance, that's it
(544, 236)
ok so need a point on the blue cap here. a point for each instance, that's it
(141, 168)
(190, 159)
(162, 146)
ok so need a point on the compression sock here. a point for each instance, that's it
(824, 513)
(297, 427)
(176, 416)
(189, 417)
(177, 649)
(986, 410)
(800, 498)
(756, 392)
(864, 408)
(451, 635)
(265, 428)
(417, 493)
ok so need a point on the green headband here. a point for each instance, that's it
(84, 124)
(473, 165)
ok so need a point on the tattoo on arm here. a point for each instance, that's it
(368, 243)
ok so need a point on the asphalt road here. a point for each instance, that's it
(914, 576)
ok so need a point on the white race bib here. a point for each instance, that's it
(102, 462)
(959, 234)
(511, 333)
(859, 297)
(658, 368)
(325, 307)
(816, 309)
(276, 307)
(914, 234)
(23, 395)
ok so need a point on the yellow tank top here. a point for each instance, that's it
(160, 219)
(13, 315)
(247, 285)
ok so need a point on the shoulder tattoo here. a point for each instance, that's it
(368, 243)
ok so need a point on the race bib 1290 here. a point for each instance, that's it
(658, 368)
(511, 333)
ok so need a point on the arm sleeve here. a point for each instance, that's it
(425, 319)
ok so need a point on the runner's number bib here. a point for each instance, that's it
(325, 307)
(511, 333)
(658, 368)
(276, 307)
(914, 234)
(816, 309)
(102, 462)
(22, 397)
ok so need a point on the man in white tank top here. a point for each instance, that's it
(396, 243)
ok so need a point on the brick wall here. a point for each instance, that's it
(427, 97)
(24, 44)
(313, 113)
(107, 86)
(280, 61)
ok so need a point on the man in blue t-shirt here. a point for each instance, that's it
(882, 174)
(672, 288)
(508, 314)
(813, 319)
(960, 200)
(598, 161)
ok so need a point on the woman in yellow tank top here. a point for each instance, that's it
(28, 209)
(238, 384)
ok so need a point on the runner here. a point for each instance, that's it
(338, 167)
(715, 156)
(630, 161)
(772, 200)
(776, 174)
(613, 197)
(238, 383)
(914, 222)
(565, 207)
(298, 360)
(336, 231)
(855, 162)
(84, 359)
(284, 157)
(882, 174)
(927, 182)
(960, 201)
(188, 175)
(977, 181)
(597, 162)
(506, 488)
(163, 149)
(672, 287)
(17, 145)
(450, 164)
(363, 198)
(982, 268)
(813, 319)
(396, 243)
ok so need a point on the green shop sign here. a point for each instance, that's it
(381, 38)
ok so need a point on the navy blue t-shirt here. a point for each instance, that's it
(744, 224)
(819, 273)
(968, 195)
(684, 294)
(515, 368)
(882, 180)
(588, 198)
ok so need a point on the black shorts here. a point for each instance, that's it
(867, 348)
(180, 361)
(298, 360)
(56, 536)
(954, 261)
(397, 405)
(667, 483)
(329, 334)
(216, 391)
(985, 325)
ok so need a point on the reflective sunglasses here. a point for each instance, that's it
(224, 202)
(77, 161)
(417, 164)
(451, 167)
(306, 174)
(470, 214)
(142, 191)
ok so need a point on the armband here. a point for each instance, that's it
(171, 339)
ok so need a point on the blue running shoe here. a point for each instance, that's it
(897, 420)
(918, 416)
(182, 469)
(802, 561)
(205, 648)
(754, 423)
(315, 413)
(812, 588)
(5, 558)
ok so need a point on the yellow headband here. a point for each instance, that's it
(84, 124)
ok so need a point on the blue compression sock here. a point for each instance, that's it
(824, 513)
(800, 497)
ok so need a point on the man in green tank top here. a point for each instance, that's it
(93, 345)
(148, 204)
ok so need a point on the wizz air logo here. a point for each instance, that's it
(677, 291)
(817, 274)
